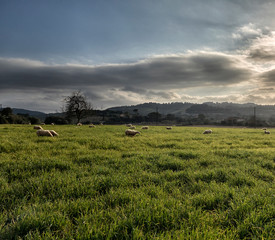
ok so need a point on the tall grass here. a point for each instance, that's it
(97, 183)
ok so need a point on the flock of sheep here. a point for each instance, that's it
(131, 132)
(128, 132)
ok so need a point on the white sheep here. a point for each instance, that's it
(37, 127)
(91, 126)
(145, 127)
(52, 123)
(208, 131)
(132, 127)
(130, 132)
(79, 124)
(129, 125)
(169, 128)
(54, 133)
(267, 132)
(42, 132)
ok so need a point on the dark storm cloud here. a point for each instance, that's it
(168, 95)
(261, 54)
(174, 71)
(266, 89)
(268, 78)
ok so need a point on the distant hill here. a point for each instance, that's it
(209, 109)
(37, 114)
(180, 109)
(177, 108)
(29, 112)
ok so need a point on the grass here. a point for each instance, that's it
(97, 183)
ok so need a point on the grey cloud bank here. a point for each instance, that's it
(158, 78)
(178, 71)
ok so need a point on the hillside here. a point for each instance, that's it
(177, 108)
(213, 111)
(37, 114)
(210, 109)
(29, 112)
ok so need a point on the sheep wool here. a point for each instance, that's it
(130, 132)
(37, 127)
(54, 133)
(42, 132)
(208, 131)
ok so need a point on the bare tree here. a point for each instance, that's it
(77, 106)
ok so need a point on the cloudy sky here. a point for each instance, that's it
(123, 52)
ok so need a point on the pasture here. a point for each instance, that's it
(97, 183)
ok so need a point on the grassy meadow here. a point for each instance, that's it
(97, 183)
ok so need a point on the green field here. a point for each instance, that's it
(97, 183)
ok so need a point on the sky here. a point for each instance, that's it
(126, 52)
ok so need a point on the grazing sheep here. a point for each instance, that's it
(208, 131)
(42, 132)
(169, 128)
(145, 127)
(79, 124)
(130, 132)
(54, 133)
(129, 125)
(91, 126)
(266, 132)
(52, 123)
(37, 127)
(132, 127)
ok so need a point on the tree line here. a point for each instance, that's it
(77, 108)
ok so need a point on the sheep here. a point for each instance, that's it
(43, 124)
(79, 124)
(264, 129)
(37, 127)
(54, 133)
(42, 132)
(52, 123)
(145, 127)
(130, 132)
(208, 131)
(129, 125)
(267, 132)
(91, 126)
(132, 127)
(169, 128)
